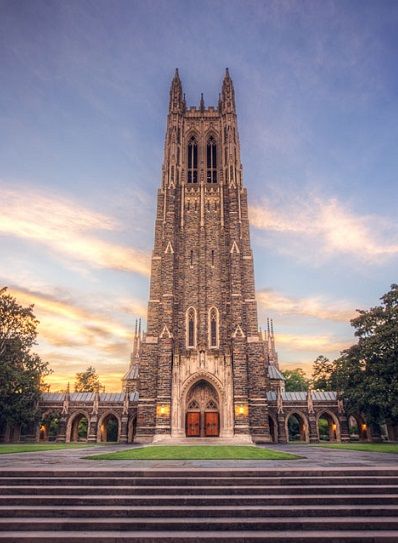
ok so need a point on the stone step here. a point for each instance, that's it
(216, 511)
(241, 536)
(199, 481)
(203, 500)
(197, 490)
(212, 473)
(199, 524)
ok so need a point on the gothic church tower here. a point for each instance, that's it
(202, 363)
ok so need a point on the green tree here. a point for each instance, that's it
(322, 371)
(295, 380)
(87, 381)
(21, 371)
(366, 374)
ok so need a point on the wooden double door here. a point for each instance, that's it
(203, 424)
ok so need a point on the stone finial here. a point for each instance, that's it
(176, 95)
(310, 403)
(202, 102)
(279, 400)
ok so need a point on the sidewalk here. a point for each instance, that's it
(315, 457)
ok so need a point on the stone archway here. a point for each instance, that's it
(297, 427)
(77, 429)
(328, 427)
(358, 429)
(202, 410)
(49, 426)
(108, 428)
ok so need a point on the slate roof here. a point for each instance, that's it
(87, 397)
(132, 372)
(317, 396)
(274, 373)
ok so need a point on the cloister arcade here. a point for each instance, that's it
(111, 417)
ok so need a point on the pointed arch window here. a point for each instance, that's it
(192, 161)
(191, 328)
(213, 328)
(211, 160)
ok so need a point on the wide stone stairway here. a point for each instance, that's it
(199, 505)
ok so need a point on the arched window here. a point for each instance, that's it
(191, 328)
(213, 328)
(192, 161)
(211, 160)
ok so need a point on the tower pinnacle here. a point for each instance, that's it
(176, 94)
(227, 94)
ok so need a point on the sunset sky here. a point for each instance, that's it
(83, 102)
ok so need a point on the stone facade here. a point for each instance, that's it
(202, 313)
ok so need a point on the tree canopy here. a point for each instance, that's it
(321, 373)
(87, 381)
(21, 371)
(295, 380)
(366, 374)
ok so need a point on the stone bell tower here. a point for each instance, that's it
(202, 369)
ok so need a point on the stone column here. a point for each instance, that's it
(61, 436)
(123, 437)
(344, 430)
(92, 429)
(282, 434)
(375, 432)
(313, 428)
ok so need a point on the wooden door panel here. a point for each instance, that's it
(193, 424)
(211, 423)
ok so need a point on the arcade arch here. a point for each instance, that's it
(108, 428)
(328, 427)
(297, 427)
(77, 428)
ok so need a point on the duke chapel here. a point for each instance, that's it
(203, 368)
(202, 365)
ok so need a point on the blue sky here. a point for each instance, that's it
(83, 102)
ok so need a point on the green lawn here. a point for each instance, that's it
(9, 448)
(200, 452)
(366, 447)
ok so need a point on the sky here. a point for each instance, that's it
(83, 102)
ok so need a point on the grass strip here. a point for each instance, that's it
(11, 448)
(199, 452)
(391, 448)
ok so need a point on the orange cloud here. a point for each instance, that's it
(66, 228)
(316, 307)
(313, 344)
(72, 337)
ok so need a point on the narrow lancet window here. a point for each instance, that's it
(211, 160)
(191, 327)
(192, 161)
(213, 327)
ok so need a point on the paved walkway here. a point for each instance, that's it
(314, 457)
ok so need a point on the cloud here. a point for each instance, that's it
(73, 336)
(67, 228)
(64, 322)
(311, 343)
(328, 225)
(317, 306)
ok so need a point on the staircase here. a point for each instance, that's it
(201, 505)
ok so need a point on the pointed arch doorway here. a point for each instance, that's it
(202, 411)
